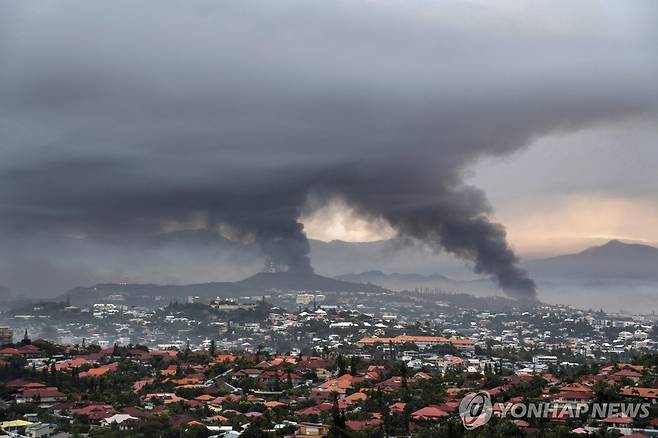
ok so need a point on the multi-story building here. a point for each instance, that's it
(6, 335)
(545, 360)
(304, 299)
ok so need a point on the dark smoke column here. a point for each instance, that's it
(445, 214)
(286, 246)
(268, 216)
(484, 242)
(475, 239)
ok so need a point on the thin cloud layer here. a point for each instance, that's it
(118, 118)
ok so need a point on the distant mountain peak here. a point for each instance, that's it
(616, 247)
(399, 281)
(303, 281)
(373, 272)
(612, 259)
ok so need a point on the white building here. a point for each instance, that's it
(545, 360)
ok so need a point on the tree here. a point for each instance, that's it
(53, 374)
(605, 393)
(404, 372)
(354, 364)
(196, 431)
(256, 428)
(288, 379)
(340, 362)
(338, 429)
(26, 339)
(44, 374)
(491, 379)
(391, 350)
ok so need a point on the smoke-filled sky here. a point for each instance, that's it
(132, 130)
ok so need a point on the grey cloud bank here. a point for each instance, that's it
(118, 118)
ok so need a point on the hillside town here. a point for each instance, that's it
(363, 366)
(321, 322)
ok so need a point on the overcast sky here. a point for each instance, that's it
(126, 124)
(579, 189)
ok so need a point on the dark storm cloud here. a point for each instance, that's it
(118, 118)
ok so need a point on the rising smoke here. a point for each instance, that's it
(120, 118)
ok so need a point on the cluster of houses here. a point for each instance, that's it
(225, 393)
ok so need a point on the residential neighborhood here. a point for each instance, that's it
(346, 370)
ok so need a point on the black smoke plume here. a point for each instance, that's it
(125, 121)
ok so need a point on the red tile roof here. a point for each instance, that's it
(49, 392)
(429, 413)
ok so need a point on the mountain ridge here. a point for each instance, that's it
(257, 284)
(613, 259)
(412, 281)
